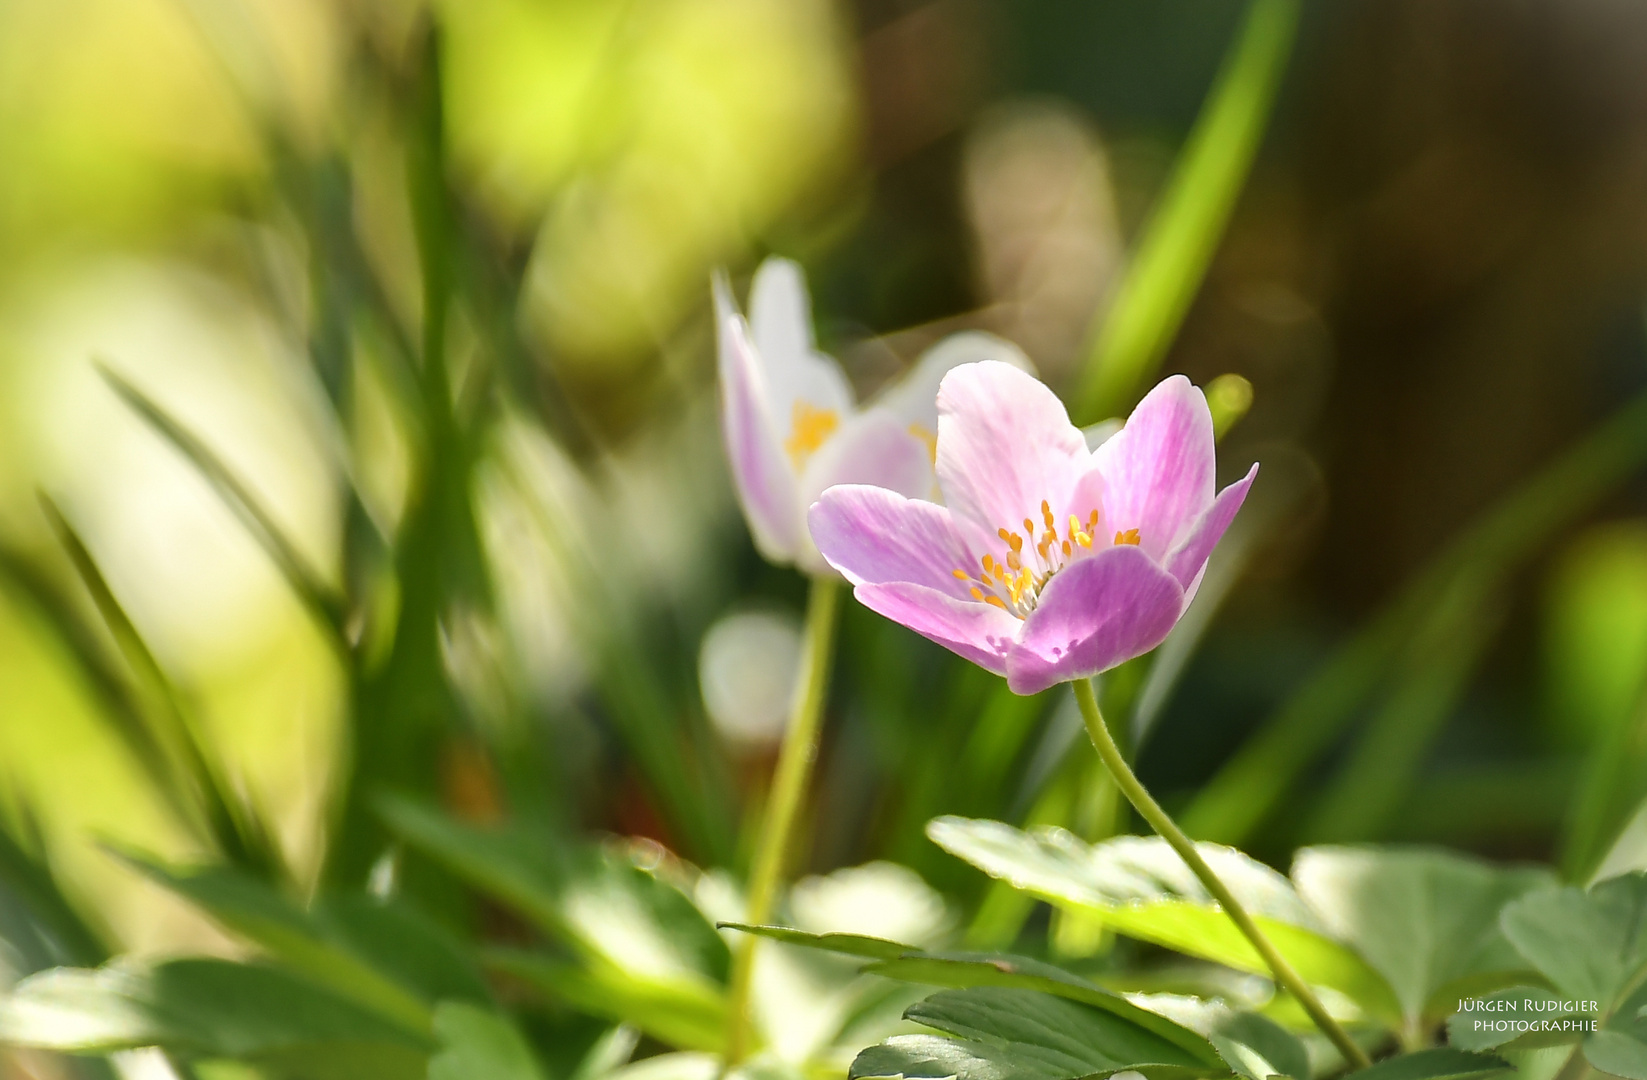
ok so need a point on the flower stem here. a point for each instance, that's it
(795, 757)
(1146, 805)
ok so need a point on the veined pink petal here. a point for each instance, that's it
(765, 483)
(1005, 445)
(780, 320)
(914, 396)
(873, 449)
(874, 536)
(1187, 560)
(1095, 614)
(977, 632)
(1160, 467)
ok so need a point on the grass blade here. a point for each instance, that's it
(186, 772)
(311, 589)
(1183, 232)
(1253, 783)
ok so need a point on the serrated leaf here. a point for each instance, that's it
(1590, 945)
(211, 1008)
(1006, 1031)
(1140, 887)
(1423, 918)
(685, 1014)
(1439, 1063)
(479, 1044)
(966, 970)
(1513, 1018)
(846, 944)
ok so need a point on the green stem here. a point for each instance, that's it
(795, 757)
(1146, 805)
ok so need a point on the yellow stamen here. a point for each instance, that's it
(977, 593)
(809, 427)
(1046, 513)
(1066, 548)
(1128, 537)
(1013, 562)
(962, 574)
(996, 600)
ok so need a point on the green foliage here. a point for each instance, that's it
(476, 1042)
(1590, 950)
(212, 1009)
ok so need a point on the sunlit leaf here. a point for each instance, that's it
(1005, 1031)
(1140, 887)
(1424, 919)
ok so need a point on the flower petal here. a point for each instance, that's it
(1095, 614)
(874, 537)
(873, 449)
(1189, 558)
(780, 320)
(976, 632)
(1005, 444)
(913, 397)
(765, 483)
(1160, 466)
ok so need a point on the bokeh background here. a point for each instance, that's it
(1433, 280)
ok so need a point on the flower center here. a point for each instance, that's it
(809, 427)
(1014, 584)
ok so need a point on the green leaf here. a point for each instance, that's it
(211, 1008)
(1590, 945)
(1140, 887)
(1617, 1053)
(1006, 1031)
(382, 955)
(1515, 1018)
(685, 1014)
(966, 970)
(1424, 919)
(1440, 1063)
(1183, 232)
(597, 902)
(1252, 1045)
(847, 944)
(478, 1044)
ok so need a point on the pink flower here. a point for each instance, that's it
(1048, 562)
(790, 424)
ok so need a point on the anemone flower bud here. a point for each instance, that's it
(791, 426)
(1047, 562)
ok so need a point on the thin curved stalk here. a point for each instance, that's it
(789, 782)
(1139, 796)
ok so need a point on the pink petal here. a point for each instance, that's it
(766, 485)
(874, 537)
(1160, 467)
(873, 449)
(976, 632)
(1005, 445)
(1189, 558)
(1099, 612)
